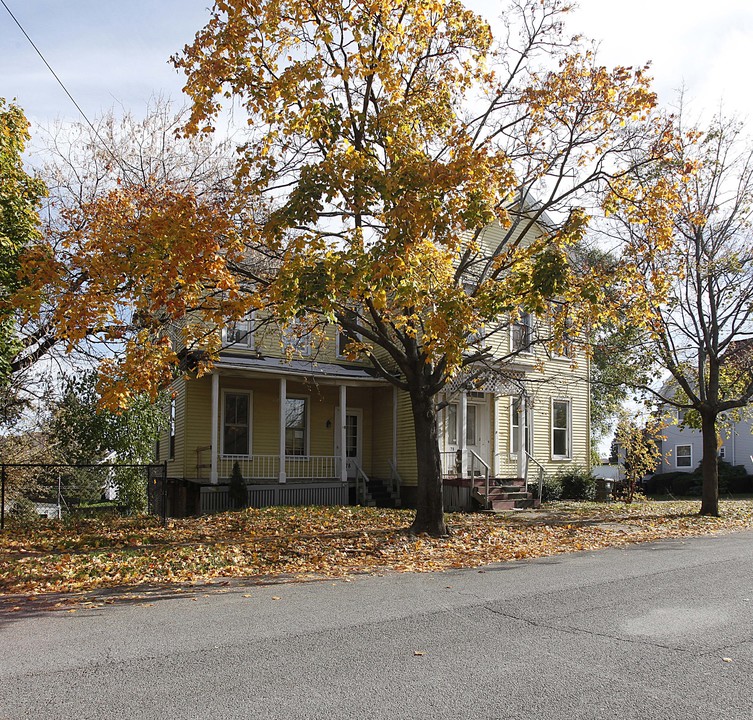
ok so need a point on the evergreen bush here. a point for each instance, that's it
(238, 492)
(577, 484)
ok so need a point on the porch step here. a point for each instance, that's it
(504, 494)
(497, 505)
(381, 493)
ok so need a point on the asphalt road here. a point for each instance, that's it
(653, 631)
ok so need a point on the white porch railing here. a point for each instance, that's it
(253, 467)
(540, 475)
(267, 467)
(312, 466)
(480, 469)
(449, 463)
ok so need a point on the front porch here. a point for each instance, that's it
(216, 498)
(326, 436)
(479, 469)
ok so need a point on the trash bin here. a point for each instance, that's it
(604, 489)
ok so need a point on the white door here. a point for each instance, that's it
(353, 440)
(477, 430)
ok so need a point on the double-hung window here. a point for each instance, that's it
(515, 428)
(683, 456)
(522, 333)
(295, 426)
(171, 428)
(561, 438)
(236, 423)
(452, 424)
(239, 332)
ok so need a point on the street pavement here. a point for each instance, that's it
(661, 630)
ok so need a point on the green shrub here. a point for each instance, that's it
(23, 511)
(238, 493)
(685, 484)
(577, 484)
(664, 483)
(741, 484)
(732, 479)
(551, 488)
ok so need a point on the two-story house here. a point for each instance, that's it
(320, 429)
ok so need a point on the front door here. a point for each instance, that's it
(353, 441)
(477, 433)
(477, 430)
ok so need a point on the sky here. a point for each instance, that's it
(110, 52)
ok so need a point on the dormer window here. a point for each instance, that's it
(522, 333)
(239, 332)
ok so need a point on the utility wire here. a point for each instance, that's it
(65, 89)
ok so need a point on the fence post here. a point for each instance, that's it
(2, 500)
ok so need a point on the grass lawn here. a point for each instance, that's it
(313, 542)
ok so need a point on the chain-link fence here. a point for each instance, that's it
(36, 490)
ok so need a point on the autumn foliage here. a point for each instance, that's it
(383, 139)
(290, 544)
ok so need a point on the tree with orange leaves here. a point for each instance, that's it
(384, 137)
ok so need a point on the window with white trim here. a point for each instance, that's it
(171, 428)
(470, 425)
(295, 426)
(236, 423)
(567, 348)
(515, 428)
(683, 456)
(521, 337)
(561, 430)
(452, 424)
(239, 332)
(722, 452)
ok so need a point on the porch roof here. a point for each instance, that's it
(298, 368)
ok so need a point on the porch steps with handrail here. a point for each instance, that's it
(502, 494)
(382, 494)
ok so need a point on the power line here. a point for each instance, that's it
(65, 89)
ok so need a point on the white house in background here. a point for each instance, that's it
(683, 447)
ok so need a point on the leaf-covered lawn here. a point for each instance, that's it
(54, 556)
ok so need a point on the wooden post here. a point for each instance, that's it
(341, 430)
(462, 430)
(214, 450)
(394, 427)
(495, 434)
(282, 476)
(522, 458)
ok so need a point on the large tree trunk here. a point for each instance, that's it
(429, 511)
(709, 467)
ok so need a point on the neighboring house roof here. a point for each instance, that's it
(298, 368)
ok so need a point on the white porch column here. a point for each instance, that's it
(495, 434)
(282, 477)
(341, 430)
(394, 427)
(522, 457)
(462, 429)
(214, 450)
